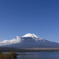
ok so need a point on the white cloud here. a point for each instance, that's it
(12, 41)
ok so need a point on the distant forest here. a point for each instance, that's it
(8, 49)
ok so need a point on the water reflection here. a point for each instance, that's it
(39, 55)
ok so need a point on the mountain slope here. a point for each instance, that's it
(32, 41)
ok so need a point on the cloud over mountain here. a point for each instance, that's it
(12, 41)
(29, 41)
(18, 39)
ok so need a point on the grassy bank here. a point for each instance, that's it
(10, 55)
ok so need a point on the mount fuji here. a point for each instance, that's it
(32, 41)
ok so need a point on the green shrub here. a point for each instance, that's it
(10, 55)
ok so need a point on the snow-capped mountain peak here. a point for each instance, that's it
(30, 35)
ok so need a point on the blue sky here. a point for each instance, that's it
(18, 17)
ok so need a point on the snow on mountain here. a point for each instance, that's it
(30, 35)
(29, 40)
(18, 39)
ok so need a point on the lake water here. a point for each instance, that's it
(38, 55)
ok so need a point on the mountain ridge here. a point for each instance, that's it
(32, 41)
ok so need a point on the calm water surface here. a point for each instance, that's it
(38, 55)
